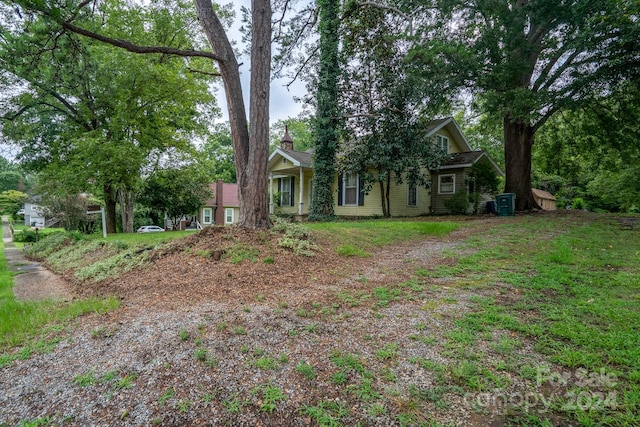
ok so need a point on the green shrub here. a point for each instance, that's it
(578, 203)
(25, 236)
(458, 204)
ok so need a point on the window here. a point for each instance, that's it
(228, 215)
(446, 184)
(350, 189)
(412, 195)
(285, 191)
(206, 215)
(443, 143)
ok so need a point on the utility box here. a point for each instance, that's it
(506, 204)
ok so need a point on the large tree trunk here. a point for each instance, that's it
(250, 151)
(126, 198)
(110, 208)
(253, 181)
(384, 200)
(518, 142)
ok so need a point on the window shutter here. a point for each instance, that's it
(291, 198)
(360, 191)
(340, 184)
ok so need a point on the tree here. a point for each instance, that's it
(526, 60)
(10, 180)
(176, 192)
(386, 130)
(299, 130)
(326, 123)
(99, 114)
(590, 153)
(11, 201)
(217, 151)
(71, 211)
(250, 145)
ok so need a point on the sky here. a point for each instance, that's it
(282, 103)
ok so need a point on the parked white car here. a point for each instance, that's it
(150, 229)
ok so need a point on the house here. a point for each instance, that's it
(454, 175)
(34, 215)
(223, 208)
(291, 172)
(544, 199)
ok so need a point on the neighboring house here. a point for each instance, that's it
(545, 199)
(291, 172)
(34, 215)
(223, 208)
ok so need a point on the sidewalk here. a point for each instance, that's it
(32, 281)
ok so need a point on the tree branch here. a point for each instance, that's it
(134, 48)
(206, 73)
(302, 67)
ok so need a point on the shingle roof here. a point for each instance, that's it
(465, 158)
(542, 194)
(305, 158)
(434, 124)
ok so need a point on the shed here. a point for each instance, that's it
(545, 199)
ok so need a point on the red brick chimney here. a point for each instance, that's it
(218, 217)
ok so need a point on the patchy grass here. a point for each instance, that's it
(575, 293)
(33, 325)
(368, 235)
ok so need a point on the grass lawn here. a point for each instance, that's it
(358, 238)
(142, 238)
(572, 289)
(35, 325)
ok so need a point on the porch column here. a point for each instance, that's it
(271, 194)
(301, 184)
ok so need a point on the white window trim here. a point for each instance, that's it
(226, 215)
(204, 215)
(441, 140)
(415, 187)
(440, 184)
(344, 189)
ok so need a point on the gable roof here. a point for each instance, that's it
(297, 158)
(305, 158)
(450, 125)
(467, 159)
(229, 195)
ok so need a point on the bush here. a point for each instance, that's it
(458, 204)
(578, 203)
(25, 236)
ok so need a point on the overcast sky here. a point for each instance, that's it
(282, 104)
